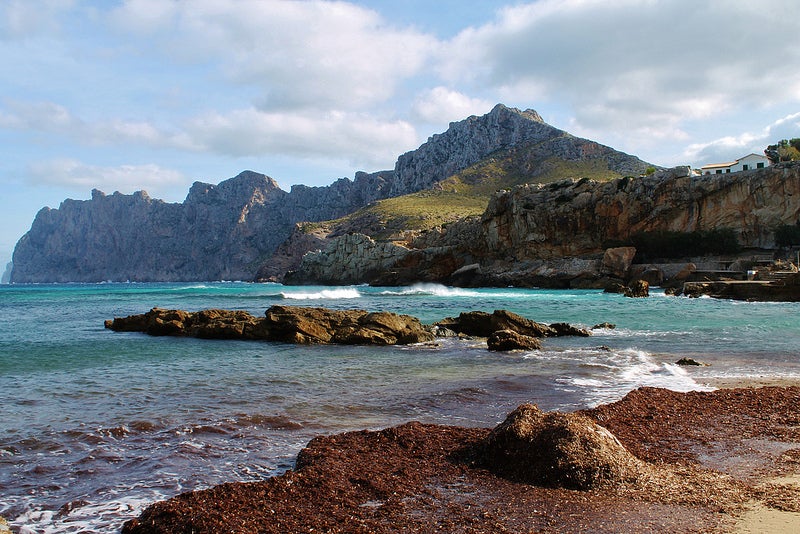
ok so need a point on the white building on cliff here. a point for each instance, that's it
(750, 161)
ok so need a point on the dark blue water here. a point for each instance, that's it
(95, 425)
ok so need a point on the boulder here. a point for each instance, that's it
(608, 326)
(566, 329)
(482, 324)
(652, 275)
(690, 362)
(638, 289)
(617, 261)
(296, 324)
(508, 340)
(558, 450)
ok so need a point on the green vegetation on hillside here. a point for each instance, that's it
(467, 193)
(784, 150)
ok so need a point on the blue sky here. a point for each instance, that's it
(154, 94)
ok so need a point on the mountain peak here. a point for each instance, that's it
(465, 143)
(502, 109)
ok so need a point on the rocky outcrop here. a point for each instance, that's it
(509, 340)
(287, 324)
(559, 450)
(349, 259)
(556, 235)
(637, 289)
(576, 217)
(483, 324)
(6, 278)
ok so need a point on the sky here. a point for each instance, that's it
(156, 94)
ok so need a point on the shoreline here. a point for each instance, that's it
(718, 456)
(751, 382)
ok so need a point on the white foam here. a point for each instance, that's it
(437, 290)
(341, 293)
(92, 517)
(610, 374)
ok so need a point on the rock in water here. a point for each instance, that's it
(288, 324)
(638, 289)
(558, 450)
(507, 340)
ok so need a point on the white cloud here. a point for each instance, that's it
(73, 174)
(441, 105)
(729, 148)
(294, 55)
(633, 66)
(20, 19)
(365, 141)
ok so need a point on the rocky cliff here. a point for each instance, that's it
(469, 141)
(220, 232)
(557, 233)
(575, 217)
(231, 230)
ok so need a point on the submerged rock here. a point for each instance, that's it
(558, 450)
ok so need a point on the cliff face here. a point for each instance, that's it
(571, 217)
(220, 232)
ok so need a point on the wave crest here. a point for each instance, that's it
(437, 290)
(325, 294)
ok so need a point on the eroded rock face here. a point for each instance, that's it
(220, 232)
(575, 217)
(559, 450)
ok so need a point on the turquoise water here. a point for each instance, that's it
(95, 425)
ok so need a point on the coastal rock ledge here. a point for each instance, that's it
(288, 324)
(309, 325)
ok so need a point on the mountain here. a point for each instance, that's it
(230, 230)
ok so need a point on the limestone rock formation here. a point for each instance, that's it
(220, 232)
(287, 324)
(469, 141)
(559, 450)
(575, 217)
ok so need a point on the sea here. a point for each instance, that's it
(95, 425)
